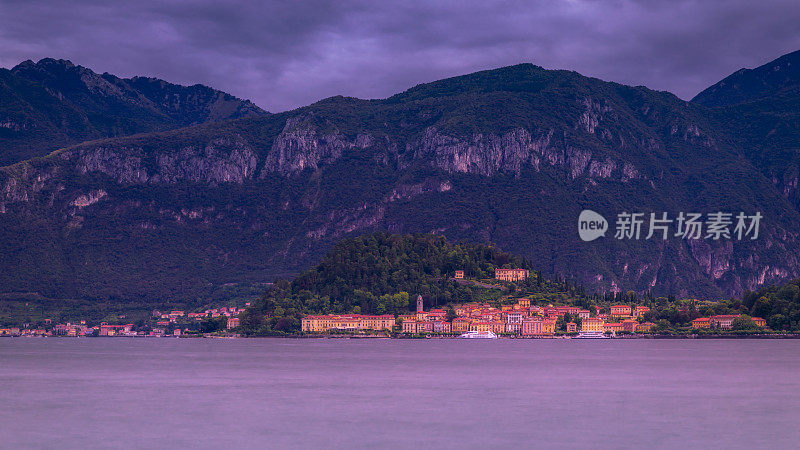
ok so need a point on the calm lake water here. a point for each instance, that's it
(284, 393)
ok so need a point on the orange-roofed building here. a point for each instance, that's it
(549, 326)
(640, 310)
(459, 275)
(760, 322)
(425, 327)
(441, 326)
(702, 322)
(620, 310)
(409, 326)
(480, 326)
(613, 327)
(629, 325)
(592, 324)
(498, 326)
(460, 324)
(645, 327)
(572, 327)
(723, 322)
(532, 326)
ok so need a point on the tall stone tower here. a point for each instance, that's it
(419, 303)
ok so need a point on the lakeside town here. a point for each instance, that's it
(520, 319)
(161, 324)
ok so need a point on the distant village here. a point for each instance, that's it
(520, 319)
(162, 324)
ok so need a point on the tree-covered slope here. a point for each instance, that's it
(54, 103)
(382, 273)
(778, 304)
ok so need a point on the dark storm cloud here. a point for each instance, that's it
(287, 54)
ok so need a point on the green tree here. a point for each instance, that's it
(744, 322)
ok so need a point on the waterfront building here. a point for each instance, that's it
(460, 324)
(615, 327)
(480, 326)
(724, 321)
(409, 326)
(459, 275)
(549, 326)
(572, 327)
(498, 326)
(629, 325)
(514, 327)
(352, 322)
(592, 324)
(532, 326)
(425, 327)
(441, 326)
(702, 322)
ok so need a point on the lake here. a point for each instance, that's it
(312, 393)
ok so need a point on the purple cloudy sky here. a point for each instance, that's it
(287, 54)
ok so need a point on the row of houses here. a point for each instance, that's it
(520, 319)
(174, 316)
(723, 322)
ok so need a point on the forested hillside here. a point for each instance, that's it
(383, 273)
(779, 305)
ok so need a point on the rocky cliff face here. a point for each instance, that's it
(221, 160)
(254, 199)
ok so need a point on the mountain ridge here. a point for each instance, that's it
(512, 162)
(54, 103)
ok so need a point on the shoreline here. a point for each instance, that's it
(422, 338)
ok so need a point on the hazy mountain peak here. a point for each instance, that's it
(54, 103)
(746, 85)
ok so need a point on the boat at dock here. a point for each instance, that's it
(478, 335)
(591, 335)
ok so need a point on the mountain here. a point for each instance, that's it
(54, 103)
(748, 85)
(509, 156)
(760, 108)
